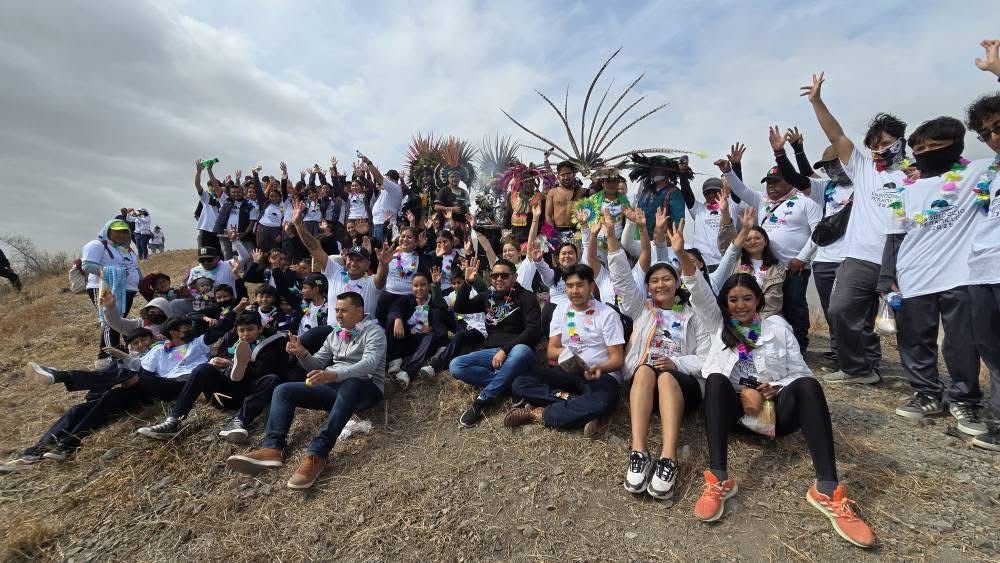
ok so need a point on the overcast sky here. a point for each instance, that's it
(108, 104)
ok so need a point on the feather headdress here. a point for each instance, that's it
(424, 155)
(495, 157)
(519, 173)
(456, 156)
(641, 167)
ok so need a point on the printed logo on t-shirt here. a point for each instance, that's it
(994, 208)
(945, 218)
(884, 196)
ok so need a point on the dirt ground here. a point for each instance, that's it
(419, 487)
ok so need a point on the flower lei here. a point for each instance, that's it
(571, 322)
(748, 269)
(949, 191)
(713, 207)
(421, 315)
(748, 337)
(347, 281)
(344, 334)
(403, 272)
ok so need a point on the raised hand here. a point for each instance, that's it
(283, 167)
(471, 269)
(257, 167)
(316, 169)
(736, 152)
(242, 305)
(198, 166)
(333, 162)
(724, 198)
(298, 212)
(662, 219)
(436, 274)
(812, 92)
(234, 265)
(257, 255)
(676, 235)
(238, 174)
(536, 253)
(748, 219)
(410, 217)
(991, 63)
(384, 254)
(639, 217)
(793, 136)
(294, 347)
(775, 137)
(724, 165)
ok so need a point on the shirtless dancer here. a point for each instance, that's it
(559, 202)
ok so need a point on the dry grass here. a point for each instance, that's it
(420, 488)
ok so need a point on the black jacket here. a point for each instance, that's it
(404, 307)
(243, 224)
(507, 323)
(268, 356)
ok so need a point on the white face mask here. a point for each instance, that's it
(658, 179)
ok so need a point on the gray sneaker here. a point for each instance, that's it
(968, 417)
(21, 463)
(842, 377)
(165, 430)
(919, 406)
(989, 440)
(235, 432)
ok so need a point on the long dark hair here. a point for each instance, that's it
(767, 255)
(730, 337)
(683, 295)
(704, 267)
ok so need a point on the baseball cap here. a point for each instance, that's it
(359, 251)
(829, 154)
(773, 174)
(207, 252)
(118, 225)
(712, 185)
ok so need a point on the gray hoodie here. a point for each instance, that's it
(362, 355)
(126, 326)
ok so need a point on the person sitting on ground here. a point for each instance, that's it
(406, 260)
(416, 326)
(585, 353)
(315, 308)
(151, 317)
(469, 330)
(250, 363)
(347, 375)
(266, 307)
(98, 409)
(663, 360)
(211, 267)
(754, 367)
(512, 330)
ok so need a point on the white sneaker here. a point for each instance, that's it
(403, 379)
(241, 359)
(21, 463)
(394, 366)
(427, 372)
(661, 486)
(39, 374)
(640, 469)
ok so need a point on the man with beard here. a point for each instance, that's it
(876, 175)
(559, 201)
(235, 214)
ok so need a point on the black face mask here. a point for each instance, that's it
(938, 161)
(894, 154)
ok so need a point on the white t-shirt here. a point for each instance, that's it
(209, 213)
(597, 328)
(254, 210)
(233, 222)
(94, 251)
(984, 260)
(447, 264)
(157, 237)
(929, 260)
(311, 316)
(273, 215)
(835, 200)
(790, 224)
(356, 206)
(221, 274)
(871, 216)
(402, 266)
(390, 199)
(339, 282)
(144, 225)
(314, 213)
(176, 361)
(706, 230)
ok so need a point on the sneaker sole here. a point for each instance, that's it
(240, 361)
(302, 486)
(969, 431)
(33, 372)
(985, 445)
(722, 505)
(464, 425)
(638, 491)
(833, 521)
(668, 495)
(238, 438)
(915, 415)
(54, 456)
(863, 380)
(427, 373)
(250, 466)
(156, 435)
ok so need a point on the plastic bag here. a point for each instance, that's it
(885, 320)
(762, 422)
(77, 279)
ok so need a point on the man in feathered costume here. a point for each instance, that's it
(525, 183)
(456, 167)
(610, 186)
(663, 181)
(423, 159)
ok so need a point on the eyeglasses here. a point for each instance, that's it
(986, 134)
(500, 275)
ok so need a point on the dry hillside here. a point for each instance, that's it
(420, 488)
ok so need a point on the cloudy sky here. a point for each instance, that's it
(107, 104)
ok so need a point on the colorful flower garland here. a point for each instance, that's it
(748, 337)
(571, 322)
(403, 273)
(949, 191)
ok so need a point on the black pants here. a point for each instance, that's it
(6, 272)
(268, 238)
(800, 405)
(385, 302)
(986, 327)
(417, 346)
(588, 399)
(795, 308)
(109, 337)
(465, 340)
(251, 395)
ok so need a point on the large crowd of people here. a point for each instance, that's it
(319, 291)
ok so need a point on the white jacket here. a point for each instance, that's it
(777, 357)
(694, 340)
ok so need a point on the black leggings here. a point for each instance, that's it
(801, 404)
(110, 338)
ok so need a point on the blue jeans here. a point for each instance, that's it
(477, 369)
(795, 308)
(342, 399)
(378, 231)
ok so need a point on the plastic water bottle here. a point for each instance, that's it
(209, 161)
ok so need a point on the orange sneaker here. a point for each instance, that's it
(712, 503)
(307, 473)
(840, 511)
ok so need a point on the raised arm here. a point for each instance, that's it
(197, 177)
(834, 132)
(991, 63)
(798, 147)
(639, 216)
(777, 141)
(376, 175)
(737, 186)
(591, 247)
(305, 237)
(384, 256)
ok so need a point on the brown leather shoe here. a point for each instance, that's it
(520, 417)
(308, 471)
(256, 461)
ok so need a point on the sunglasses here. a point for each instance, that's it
(500, 275)
(986, 134)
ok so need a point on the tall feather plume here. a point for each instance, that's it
(495, 156)
(593, 120)
(630, 125)
(586, 100)
(611, 110)
(423, 151)
(547, 141)
(607, 131)
(569, 133)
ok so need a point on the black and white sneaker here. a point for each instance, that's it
(58, 453)
(919, 406)
(165, 430)
(235, 432)
(968, 417)
(427, 372)
(473, 414)
(661, 486)
(640, 469)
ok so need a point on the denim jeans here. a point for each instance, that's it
(378, 232)
(342, 399)
(477, 369)
(588, 400)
